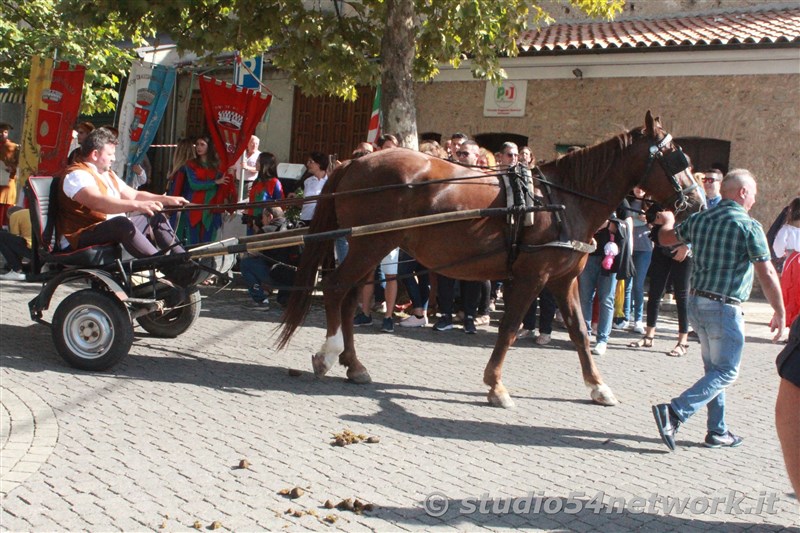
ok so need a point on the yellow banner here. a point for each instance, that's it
(40, 79)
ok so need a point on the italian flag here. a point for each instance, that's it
(375, 119)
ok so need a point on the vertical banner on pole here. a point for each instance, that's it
(51, 107)
(141, 111)
(41, 75)
(232, 114)
(61, 103)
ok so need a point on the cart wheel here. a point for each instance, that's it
(172, 323)
(92, 330)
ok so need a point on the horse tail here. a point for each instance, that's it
(314, 255)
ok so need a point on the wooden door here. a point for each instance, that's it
(328, 124)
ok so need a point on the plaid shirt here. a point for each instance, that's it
(726, 242)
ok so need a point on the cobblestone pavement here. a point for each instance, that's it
(155, 443)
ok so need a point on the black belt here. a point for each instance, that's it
(716, 297)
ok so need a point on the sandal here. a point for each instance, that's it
(644, 342)
(679, 351)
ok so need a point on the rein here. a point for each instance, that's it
(307, 199)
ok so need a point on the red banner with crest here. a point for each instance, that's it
(232, 113)
(58, 110)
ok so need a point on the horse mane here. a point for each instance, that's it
(586, 169)
(314, 254)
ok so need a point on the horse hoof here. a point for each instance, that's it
(501, 400)
(361, 378)
(320, 365)
(603, 395)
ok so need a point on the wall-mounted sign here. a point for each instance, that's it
(506, 99)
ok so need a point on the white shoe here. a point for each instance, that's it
(379, 307)
(414, 322)
(523, 333)
(638, 328)
(542, 339)
(600, 348)
(13, 275)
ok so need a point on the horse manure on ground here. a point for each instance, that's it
(348, 437)
(216, 524)
(331, 518)
(293, 372)
(355, 506)
(329, 504)
(292, 493)
(244, 463)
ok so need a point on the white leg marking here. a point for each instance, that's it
(602, 394)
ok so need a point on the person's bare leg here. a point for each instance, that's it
(787, 423)
(391, 295)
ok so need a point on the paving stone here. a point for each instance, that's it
(157, 440)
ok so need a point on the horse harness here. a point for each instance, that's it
(518, 182)
(520, 196)
(672, 163)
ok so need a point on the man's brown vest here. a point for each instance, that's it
(73, 217)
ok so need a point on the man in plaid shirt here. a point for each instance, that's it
(728, 245)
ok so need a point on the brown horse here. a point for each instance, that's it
(590, 183)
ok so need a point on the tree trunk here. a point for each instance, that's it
(399, 102)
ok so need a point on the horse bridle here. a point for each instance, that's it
(672, 163)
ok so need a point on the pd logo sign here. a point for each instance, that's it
(505, 100)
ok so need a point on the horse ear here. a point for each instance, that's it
(649, 124)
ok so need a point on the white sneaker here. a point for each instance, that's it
(523, 333)
(379, 307)
(13, 275)
(542, 339)
(638, 328)
(600, 348)
(414, 322)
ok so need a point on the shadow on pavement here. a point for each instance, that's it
(579, 512)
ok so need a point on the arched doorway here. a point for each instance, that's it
(706, 153)
(494, 141)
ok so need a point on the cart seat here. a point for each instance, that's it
(42, 196)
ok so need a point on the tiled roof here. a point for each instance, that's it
(770, 26)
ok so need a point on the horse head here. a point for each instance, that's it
(668, 173)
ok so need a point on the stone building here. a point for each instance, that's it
(723, 76)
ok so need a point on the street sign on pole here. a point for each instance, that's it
(243, 76)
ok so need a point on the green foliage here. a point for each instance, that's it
(327, 46)
(331, 46)
(31, 27)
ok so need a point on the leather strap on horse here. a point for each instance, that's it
(573, 245)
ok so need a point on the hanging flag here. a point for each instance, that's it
(232, 114)
(40, 77)
(376, 119)
(141, 111)
(51, 108)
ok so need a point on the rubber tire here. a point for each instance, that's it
(171, 324)
(93, 309)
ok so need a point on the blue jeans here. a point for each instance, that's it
(255, 271)
(590, 281)
(634, 287)
(720, 328)
(417, 286)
